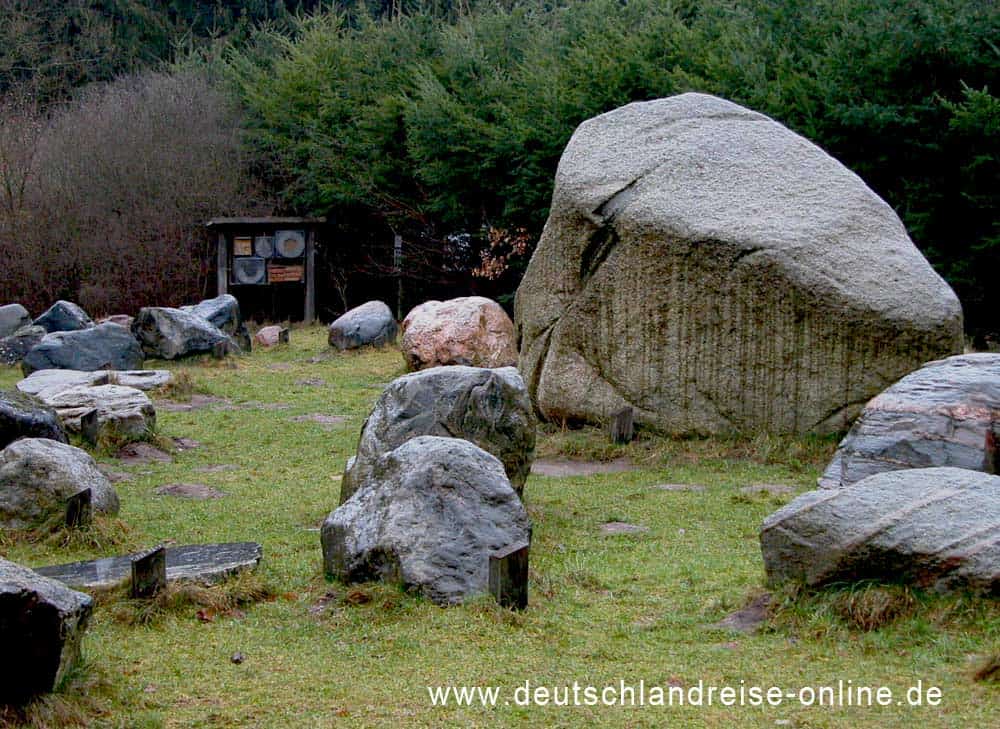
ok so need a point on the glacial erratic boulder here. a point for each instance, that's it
(41, 625)
(471, 330)
(103, 412)
(167, 333)
(12, 318)
(716, 272)
(56, 380)
(487, 407)
(271, 336)
(14, 349)
(22, 416)
(947, 413)
(37, 478)
(369, 325)
(932, 527)
(224, 313)
(435, 511)
(101, 347)
(64, 316)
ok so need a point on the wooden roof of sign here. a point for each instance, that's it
(269, 222)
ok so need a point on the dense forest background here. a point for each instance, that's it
(125, 124)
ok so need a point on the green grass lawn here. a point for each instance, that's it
(603, 608)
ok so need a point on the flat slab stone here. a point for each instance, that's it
(216, 468)
(621, 527)
(319, 418)
(196, 402)
(747, 619)
(186, 444)
(563, 467)
(58, 380)
(311, 382)
(679, 487)
(141, 453)
(775, 489)
(207, 563)
(196, 491)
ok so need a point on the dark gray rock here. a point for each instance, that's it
(14, 348)
(487, 407)
(167, 333)
(204, 563)
(24, 417)
(12, 318)
(223, 312)
(947, 413)
(104, 347)
(933, 527)
(371, 324)
(64, 316)
(429, 519)
(38, 476)
(41, 624)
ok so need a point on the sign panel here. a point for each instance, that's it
(242, 245)
(279, 273)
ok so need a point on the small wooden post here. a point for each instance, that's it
(509, 576)
(149, 573)
(222, 258)
(623, 426)
(90, 426)
(309, 315)
(79, 511)
(284, 336)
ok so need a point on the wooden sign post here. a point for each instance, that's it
(149, 573)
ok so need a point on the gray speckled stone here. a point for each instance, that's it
(487, 407)
(429, 519)
(104, 347)
(947, 413)
(717, 272)
(167, 333)
(205, 563)
(64, 316)
(12, 318)
(934, 527)
(24, 417)
(371, 324)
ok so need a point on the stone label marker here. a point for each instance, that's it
(149, 573)
(623, 426)
(79, 509)
(509, 576)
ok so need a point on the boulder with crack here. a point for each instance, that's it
(167, 333)
(487, 407)
(103, 413)
(716, 272)
(429, 519)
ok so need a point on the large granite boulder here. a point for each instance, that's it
(12, 318)
(933, 527)
(487, 407)
(947, 413)
(104, 347)
(22, 416)
(113, 413)
(435, 511)
(371, 324)
(37, 478)
(471, 330)
(223, 312)
(716, 272)
(167, 333)
(41, 624)
(54, 381)
(14, 349)
(64, 316)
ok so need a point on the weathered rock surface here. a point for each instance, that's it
(271, 336)
(487, 407)
(38, 476)
(122, 320)
(56, 380)
(110, 412)
(64, 316)
(434, 512)
(24, 417)
(223, 312)
(371, 324)
(203, 563)
(167, 333)
(471, 330)
(103, 347)
(41, 624)
(947, 413)
(14, 348)
(934, 527)
(12, 318)
(717, 272)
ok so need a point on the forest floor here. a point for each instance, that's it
(605, 608)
